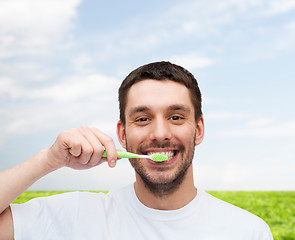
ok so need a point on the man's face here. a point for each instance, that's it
(160, 118)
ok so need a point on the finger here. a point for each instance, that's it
(75, 148)
(70, 142)
(97, 148)
(86, 152)
(109, 146)
(81, 149)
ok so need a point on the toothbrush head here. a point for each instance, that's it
(157, 157)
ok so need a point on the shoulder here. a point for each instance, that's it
(48, 200)
(218, 207)
(62, 202)
(42, 214)
(228, 214)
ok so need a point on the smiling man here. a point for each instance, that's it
(159, 117)
(160, 112)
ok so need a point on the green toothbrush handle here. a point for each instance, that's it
(121, 154)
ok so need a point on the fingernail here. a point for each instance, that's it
(113, 163)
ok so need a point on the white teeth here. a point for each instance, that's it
(169, 154)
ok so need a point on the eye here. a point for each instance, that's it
(175, 118)
(142, 119)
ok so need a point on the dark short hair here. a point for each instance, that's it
(161, 71)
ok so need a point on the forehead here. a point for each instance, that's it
(158, 94)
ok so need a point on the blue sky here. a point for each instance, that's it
(61, 63)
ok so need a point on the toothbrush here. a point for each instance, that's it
(157, 157)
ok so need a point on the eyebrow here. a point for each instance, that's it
(182, 107)
(138, 109)
(174, 107)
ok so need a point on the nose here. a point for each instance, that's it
(160, 130)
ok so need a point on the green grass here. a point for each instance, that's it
(276, 208)
(28, 195)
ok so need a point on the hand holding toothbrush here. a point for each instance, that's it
(82, 148)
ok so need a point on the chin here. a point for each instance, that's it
(164, 184)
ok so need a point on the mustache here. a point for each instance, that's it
(160, 145)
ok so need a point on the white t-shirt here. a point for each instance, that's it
(120, 215)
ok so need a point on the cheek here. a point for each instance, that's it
(135, 136)
(183, 132)
(186, 136)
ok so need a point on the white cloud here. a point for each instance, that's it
(290, 27)
(251, 125)
(74, 101)
(108, 127)
(191, 61)
(82, 61)
(191, 21)
(283, 129)
(78, 87)
(101, 177)
(260, 122)
(279, 7)
(216, 116)
(286, 39)
(24, 71)
(180, 21)
(33, 26)
(66, 90)
(242, 176)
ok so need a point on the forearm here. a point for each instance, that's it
(78, 148)
(14, 181)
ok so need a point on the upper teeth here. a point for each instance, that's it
(169, 154)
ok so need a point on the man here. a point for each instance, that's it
(160, 111)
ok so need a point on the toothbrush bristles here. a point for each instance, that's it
(158, 157)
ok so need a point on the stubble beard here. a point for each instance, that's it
(164, 187)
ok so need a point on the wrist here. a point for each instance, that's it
(43, 161)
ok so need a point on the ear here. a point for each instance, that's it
(199, 131)
(121, 134)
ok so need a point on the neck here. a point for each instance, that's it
(173, 200)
